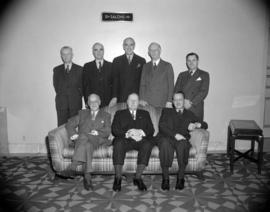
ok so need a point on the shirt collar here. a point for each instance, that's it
(156, 62)
(94, 111)
(131, 56)
(192, 72)
(98, 61)
(68, 64)
(135, 111)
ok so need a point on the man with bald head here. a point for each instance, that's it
(89, 130)
(127, 70)
(133, 130)
(97, 76)
(67, 82)
(157, 80)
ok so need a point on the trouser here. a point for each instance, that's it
(64, 114)
(84, 149)
(167, 146)
(123, 145)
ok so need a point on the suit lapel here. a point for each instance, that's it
(192, 79)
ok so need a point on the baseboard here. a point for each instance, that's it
(28, 148)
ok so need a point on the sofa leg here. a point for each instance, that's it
(200, 175)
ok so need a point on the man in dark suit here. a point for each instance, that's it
(157, 80)
(97, 76)
(194, 83)
(94, 128)
(127, 70)
(67, 82)
(133, 130)
(174, 127)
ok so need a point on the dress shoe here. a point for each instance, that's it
(165, 184)
(117, 184)
(140, 184)
(180, 184)
(87, 183)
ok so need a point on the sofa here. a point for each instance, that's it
(61, 149)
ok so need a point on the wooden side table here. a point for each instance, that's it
(245, 130)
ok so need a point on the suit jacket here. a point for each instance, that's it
(123, 122)
(171, 123)
(98, 82)
(157, 85)
(195, 89)
(126, 77)
(68, 87)
(85, 124)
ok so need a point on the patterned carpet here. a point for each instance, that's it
(26, 185)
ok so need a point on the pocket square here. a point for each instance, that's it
(199, 79)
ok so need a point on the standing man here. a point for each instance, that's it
(174, 127)
(94, 128)
(67, 82)
(194, 83)
(127, 70)
(97, 76)
(157, 80)
(133, 130)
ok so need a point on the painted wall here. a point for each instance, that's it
(230, 37)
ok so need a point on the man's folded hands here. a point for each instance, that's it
(135, 134)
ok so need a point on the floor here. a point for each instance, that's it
(26, 185)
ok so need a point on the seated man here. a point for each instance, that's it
(174, 127)
(94, 128)
(133, 130)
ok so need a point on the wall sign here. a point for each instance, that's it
(106, 16)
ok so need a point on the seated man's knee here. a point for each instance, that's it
(147, 145)
(164, 143)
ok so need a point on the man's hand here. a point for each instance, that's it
(179, 137)
(198, 125)
(74, 137)
(187, 104)
(113, 102)
(193, 126)
(135, 134)
(94, 132)
(143, 103)
(168, 105)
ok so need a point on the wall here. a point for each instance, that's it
(230, 36)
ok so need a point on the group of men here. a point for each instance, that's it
(130, 79)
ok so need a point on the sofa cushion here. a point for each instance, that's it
(107, 151)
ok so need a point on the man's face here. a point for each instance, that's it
(192, 62)
(133, 102)
(128, 46)
(178, 101)
(98, 52)
(154, 52)
(66, 55)
(93, 102)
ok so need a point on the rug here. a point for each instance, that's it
(27, 185)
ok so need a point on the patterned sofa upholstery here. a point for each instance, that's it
(61, 149)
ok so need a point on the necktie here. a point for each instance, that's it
(133, 114)
(155, 66)
(99, 66)
(129, 59)
(93, 115)
(67, 69)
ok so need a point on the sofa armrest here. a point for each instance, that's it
(58, 140)
(199, 140)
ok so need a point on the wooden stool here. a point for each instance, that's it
(245, 130)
